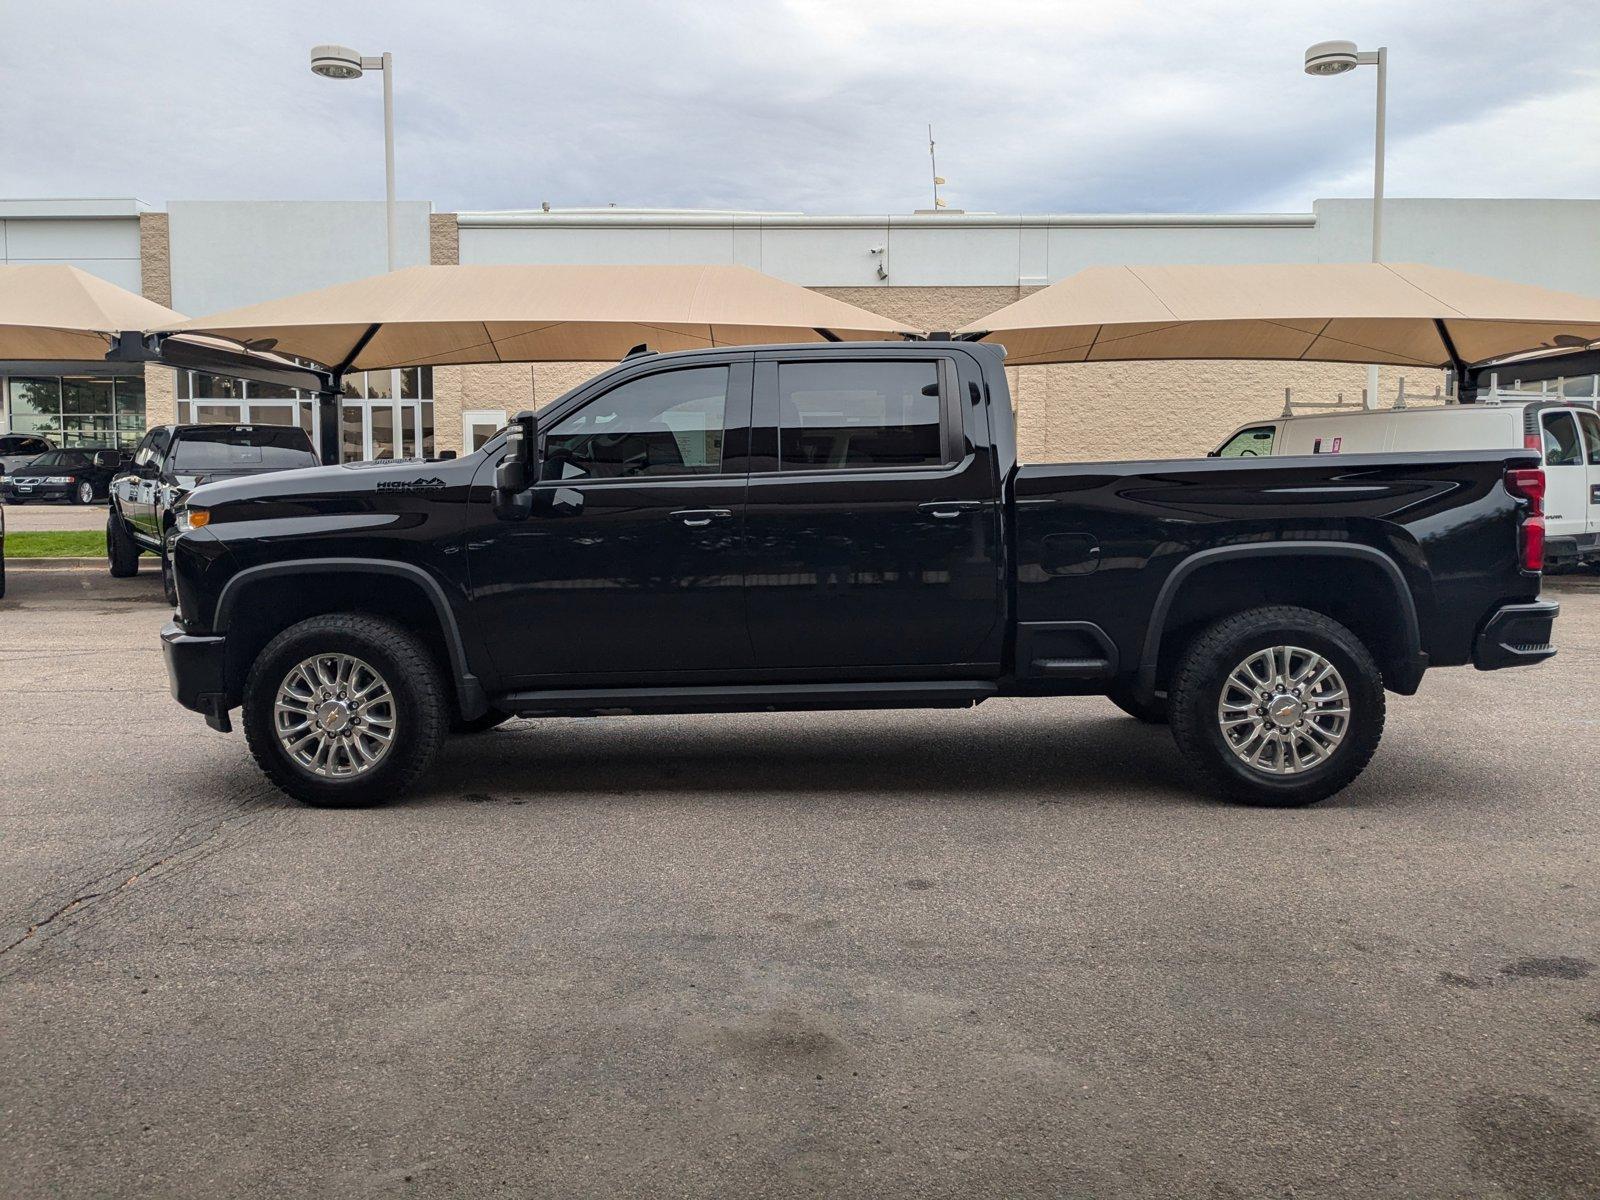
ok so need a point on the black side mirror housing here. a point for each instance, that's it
(107, 460)
(518, 471)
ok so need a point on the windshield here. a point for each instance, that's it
(230, 447)
(61, 458)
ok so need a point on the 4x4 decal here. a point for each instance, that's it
(411, 485)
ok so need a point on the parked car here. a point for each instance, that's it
(841, 526)
(19, 449)
(78, 476)
(173, 459)
(1566, 433)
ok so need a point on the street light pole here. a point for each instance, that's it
(388, 152)
(1381, 61)
(1335, 58)
(341, 62)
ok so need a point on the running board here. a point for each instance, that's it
(793, 697)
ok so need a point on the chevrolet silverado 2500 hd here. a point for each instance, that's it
(841, 526)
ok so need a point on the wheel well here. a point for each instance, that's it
(1357, 592)
(266, 607)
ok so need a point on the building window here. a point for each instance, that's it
(79, 411)
(366, 415)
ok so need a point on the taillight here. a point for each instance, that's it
(1527, 484)
(1530, 441)
(1532, 536)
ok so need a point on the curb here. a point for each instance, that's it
(55, 564)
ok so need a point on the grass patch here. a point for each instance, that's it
(50, 543)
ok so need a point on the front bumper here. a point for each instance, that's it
(1517, 635)
(12, 491)
(197, 673)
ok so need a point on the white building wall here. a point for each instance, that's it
(1549, 242)
(98, 236)
(230, 253)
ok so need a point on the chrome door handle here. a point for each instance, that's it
(698, 518)
(947, 510)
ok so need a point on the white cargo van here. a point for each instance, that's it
(1568, 432)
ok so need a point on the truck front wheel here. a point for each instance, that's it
(344, 710)
(1277, 706)
(1151, 710)
(121, 550)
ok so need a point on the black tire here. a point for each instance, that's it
(421, 704)
(1196, 690)
(491, 719)
(169, 583)
(78, 496)
(121, 549)
(1151, 712)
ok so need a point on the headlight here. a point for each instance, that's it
(193, 518)
(60, 479)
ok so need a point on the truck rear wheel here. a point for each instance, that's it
(120, 548)
(344, 710)
(1277, 706)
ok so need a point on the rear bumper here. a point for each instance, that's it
(197, 673)
(1517, 635)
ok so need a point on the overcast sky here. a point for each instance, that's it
(811, 105)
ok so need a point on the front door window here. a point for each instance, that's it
(666, 424)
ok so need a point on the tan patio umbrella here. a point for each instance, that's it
(424, 316)
(52, 311)
(1405, 314)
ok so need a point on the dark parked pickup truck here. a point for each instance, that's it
(841, 526)
(169, 461)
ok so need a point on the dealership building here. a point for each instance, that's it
(933, 271)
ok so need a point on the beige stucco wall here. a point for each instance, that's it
(155, 281)
(1067, 413)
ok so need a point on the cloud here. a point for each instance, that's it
(817, 105)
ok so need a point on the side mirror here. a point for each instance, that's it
(518, 471)
(445, 455)
(107, 460)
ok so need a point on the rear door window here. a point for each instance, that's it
(1561, 445)
(861, 414)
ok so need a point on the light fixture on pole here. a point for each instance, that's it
(341, 62)
(1336, 58)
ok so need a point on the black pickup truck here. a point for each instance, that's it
(841, 526)
(168, 463)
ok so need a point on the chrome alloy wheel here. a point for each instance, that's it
(334, 716)
(1284, 710)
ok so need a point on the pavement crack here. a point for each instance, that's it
(181, 846)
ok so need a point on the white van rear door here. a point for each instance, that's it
(1590, 425)
(1566, 489)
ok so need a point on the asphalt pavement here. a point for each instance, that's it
(996, 952)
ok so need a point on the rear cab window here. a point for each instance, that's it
(242, 446)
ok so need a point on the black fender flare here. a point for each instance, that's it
(470, 695)
(1411, 629)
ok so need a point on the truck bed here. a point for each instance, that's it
(1122, 540)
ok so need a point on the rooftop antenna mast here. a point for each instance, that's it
(933, 165)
